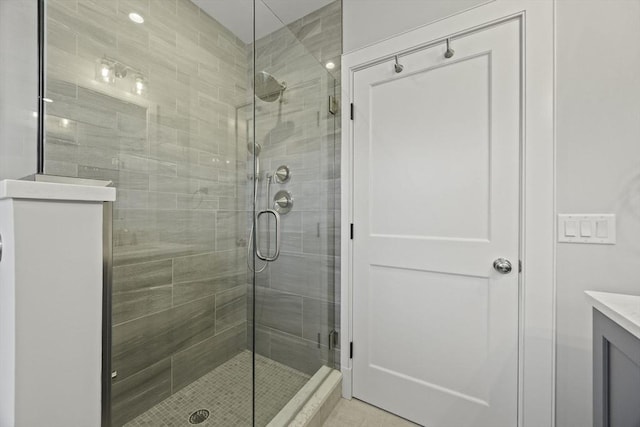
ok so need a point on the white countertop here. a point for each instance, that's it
(621, 308)
(17, 189)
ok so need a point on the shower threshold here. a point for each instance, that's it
(226, 393)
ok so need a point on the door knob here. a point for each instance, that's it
(502, 265)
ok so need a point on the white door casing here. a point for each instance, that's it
(536, 346)
(436, 201)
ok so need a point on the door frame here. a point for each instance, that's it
(536, 326)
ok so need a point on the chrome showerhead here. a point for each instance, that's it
(267, 88)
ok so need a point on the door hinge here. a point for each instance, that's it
(352, 111)
(333, 105)
(351, 231)
(333, 339)
(351, 350)
(519, 266)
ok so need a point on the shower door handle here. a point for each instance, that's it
(275, 256)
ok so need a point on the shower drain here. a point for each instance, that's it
(199, 416)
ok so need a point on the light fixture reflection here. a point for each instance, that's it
(105, 71)
(330, 65)
(137, 18)
(121, 76)
(139, 86)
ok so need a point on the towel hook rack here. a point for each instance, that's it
(397, 66)
(449, 53)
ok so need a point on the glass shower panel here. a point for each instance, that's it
(145, 93)
(296, 130)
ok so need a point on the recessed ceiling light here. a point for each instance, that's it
(330, 65)
(138, 19)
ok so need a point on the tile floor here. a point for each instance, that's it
(226, 393)
(355, 413)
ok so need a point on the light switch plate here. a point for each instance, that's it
(598, 229)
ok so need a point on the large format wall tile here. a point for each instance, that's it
(279, 311)
(306, 275)
(147, 340)
(208, 265)
(141, 391)
(303, 355)
(133, 304)
(231, 308)
(192, 363)
(145, 275)
(188, 291)
(318, 319)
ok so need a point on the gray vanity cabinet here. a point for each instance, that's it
(616, 374)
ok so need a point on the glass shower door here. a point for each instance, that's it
(296, 134)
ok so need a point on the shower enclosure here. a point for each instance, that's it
(217, 123)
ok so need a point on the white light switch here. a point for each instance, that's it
(602, 229)
(587, 228)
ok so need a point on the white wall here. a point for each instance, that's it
(370, 21)
(18, 87)
(598, 170)
(598, 155)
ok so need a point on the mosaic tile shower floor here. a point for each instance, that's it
(226, 393)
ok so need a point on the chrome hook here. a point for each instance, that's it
(398, 67)
(449, 53)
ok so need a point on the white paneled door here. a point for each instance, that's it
(436, 203)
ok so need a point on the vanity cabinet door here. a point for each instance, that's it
(616, 374)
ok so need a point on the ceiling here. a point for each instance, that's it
(237, 15)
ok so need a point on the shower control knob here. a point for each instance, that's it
(502, 266)
(283, 202)
(283, 174)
